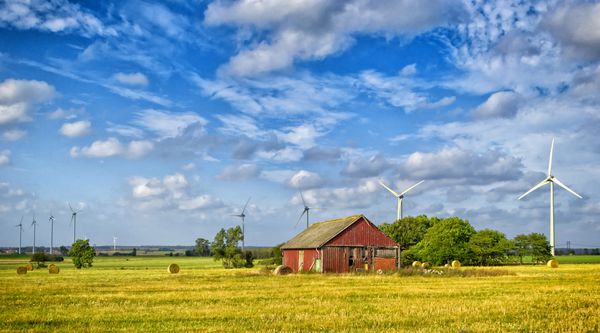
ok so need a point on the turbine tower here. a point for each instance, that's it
(114, 243)
(20, 225)
(34, 224)
(306, 210)
(552, 180)
(51, 219)
(400, 197)
(74, 220)
(242, 215)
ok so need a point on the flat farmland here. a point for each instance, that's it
(138, 294)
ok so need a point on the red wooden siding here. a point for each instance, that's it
(362, 233)
(290, 259)
(385, 264)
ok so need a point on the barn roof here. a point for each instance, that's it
(320, 233)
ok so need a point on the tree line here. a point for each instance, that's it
(439, 241)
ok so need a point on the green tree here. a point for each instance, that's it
(63, 250)
(82, 253)
(40, 259)
(277, 254)
(408, 231)
(445, 241)
(489, 247)
(225, 247)
(202, 247)
(540, 247)
(521, 246)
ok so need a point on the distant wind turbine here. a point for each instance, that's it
(242, 215)
(34, 224)
(305, 211)
(399, 197)
(20, 225)
(552, 180)
(74, 221)
(51, 219)
(115, 243)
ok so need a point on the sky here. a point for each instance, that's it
(158, 120)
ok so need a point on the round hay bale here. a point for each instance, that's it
(53, 269)
(22, 270)
(282, 270)
(29, 267)
(416, 264)
(446, 265)
(173, 268)
(552, 263)
(425, 265)
(455, 264)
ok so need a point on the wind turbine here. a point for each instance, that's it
(20, 225)
(34, 224)
(242, 215)
(74, 220)
(51, 219)
(114, 243)
(306, 210)
(400, 197)
(552, 180)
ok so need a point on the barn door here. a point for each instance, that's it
(300, 261)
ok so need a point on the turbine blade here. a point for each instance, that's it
(244, 210)
(71, 208)
(540, 184)
(302, 197)
(300, 218)
(559, 183)
(550, 160)
(410, 188)
(389, 189)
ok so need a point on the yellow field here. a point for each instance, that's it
(138, 294)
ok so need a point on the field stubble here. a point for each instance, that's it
(137, 294)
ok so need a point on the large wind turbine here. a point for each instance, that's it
(305, 211)
(20, 225)
(74, 220)
(400, 196)
(34, 224)
(51, 219)
(242, 215)
(552, 180)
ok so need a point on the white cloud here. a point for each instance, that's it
(133, 79)
(113, 147)
(13, 135)
(4, 158)
(167, 124)
(409, 70)
(304, 179)
(145, 187)
(78, 128)
(239, 172)
(199, 202)
(19, 97)
(501, 104)
(362, 167)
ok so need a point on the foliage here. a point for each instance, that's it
(249, 259)
(277, 254)
(202, 247)
(39, 258)
(489, 247)
(225, 247)
(535, 245)
(445, 241)
(82, 253)
(408, 231)
(64, 250)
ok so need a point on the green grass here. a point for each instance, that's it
(579, 259)
(120, 295)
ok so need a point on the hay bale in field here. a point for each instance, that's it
(22, 270)
(446, 265)
(552, 263)
(425, 265)
(173, 268)
(29, 267)
(53, 269)
(455, 264)
(416, 264)
(282, 270)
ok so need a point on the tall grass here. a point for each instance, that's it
(119, 295)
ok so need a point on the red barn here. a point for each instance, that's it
(342, 245)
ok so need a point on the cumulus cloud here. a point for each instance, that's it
(132, 79)
(113, 147)
(13, 134)
(78, 128)
(503, 104)
(373, 166)
(239, 172)
(459, 164)
(359, 196)
(316, 29)
(19, 97)
(304, 179)
(167, 124)
(4, 158)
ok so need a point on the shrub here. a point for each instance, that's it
(82, 253)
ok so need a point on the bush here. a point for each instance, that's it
(39, 258)
(82, 253)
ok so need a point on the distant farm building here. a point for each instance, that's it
(342, 245)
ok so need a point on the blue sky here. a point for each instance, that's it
(160, 119)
